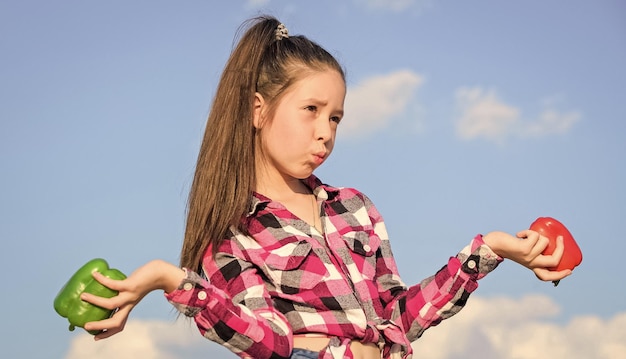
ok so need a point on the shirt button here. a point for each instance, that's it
(202, 295)
(187, 286)
(471, 264)
(367, 248)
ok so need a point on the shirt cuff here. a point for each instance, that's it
(192, 294)
(477, 259)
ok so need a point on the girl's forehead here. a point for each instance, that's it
(319, 84)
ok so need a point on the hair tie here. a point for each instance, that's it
(281, 32)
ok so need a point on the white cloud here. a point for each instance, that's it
(148, 339)
(519, 329)
(551, 122)
(488, 328)
(484, 115)
(372, 104)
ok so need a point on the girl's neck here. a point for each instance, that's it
(284, 193)
(280, 188)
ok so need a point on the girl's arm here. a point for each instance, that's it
(444, 294)
(244, 322)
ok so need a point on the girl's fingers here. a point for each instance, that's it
(558, 251)
(108, 282)
(106, 334)
(107, 303)
(532, 239)
(94, 299)
(110, 326)
(530, 247)
(539, 246)
(550, 260)
(525, 233)
(548, 275)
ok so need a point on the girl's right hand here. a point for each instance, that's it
(156, 274)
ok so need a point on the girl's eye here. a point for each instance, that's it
(311, 108)
(335, 119)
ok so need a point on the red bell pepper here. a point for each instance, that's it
(551, 228)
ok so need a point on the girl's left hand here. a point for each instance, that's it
(152, 276)
(526, 249)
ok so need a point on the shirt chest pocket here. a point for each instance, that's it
(294, 266)
(363, 248)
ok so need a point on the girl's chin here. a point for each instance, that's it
(305, 174)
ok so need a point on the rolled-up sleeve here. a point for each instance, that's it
(444, 294)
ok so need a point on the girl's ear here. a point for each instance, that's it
(257, 112)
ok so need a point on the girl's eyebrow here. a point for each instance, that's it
(316, 101)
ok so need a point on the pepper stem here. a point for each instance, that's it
(556, 282)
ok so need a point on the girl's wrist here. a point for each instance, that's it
(169, 277)
(492, 240)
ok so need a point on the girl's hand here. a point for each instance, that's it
(526, 250)
(154, 275)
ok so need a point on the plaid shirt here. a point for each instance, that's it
(287, 278)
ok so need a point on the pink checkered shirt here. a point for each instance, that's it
(288, 278)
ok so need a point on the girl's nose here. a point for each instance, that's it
(323, 129)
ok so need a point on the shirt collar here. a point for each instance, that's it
(322, 191)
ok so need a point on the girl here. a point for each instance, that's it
(277, 264)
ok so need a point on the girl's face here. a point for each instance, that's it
(301, 134)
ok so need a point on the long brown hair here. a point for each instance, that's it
(225, 177)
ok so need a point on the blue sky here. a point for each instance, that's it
(461, 118)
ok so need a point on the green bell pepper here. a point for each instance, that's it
(78, 312)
